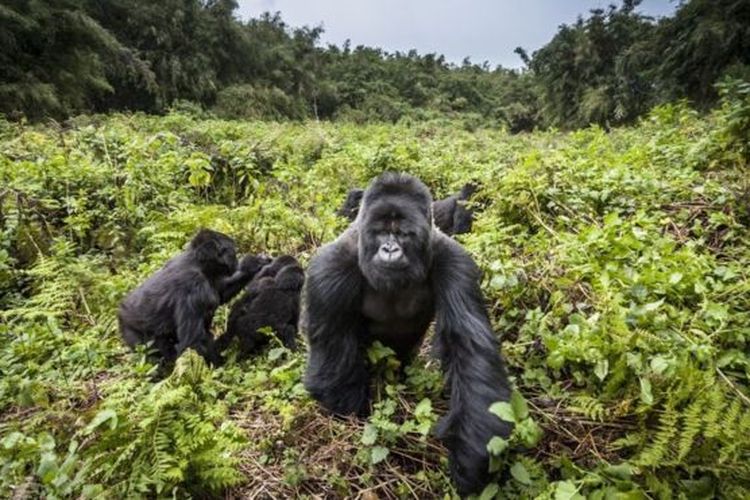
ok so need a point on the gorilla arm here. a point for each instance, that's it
(229, 286)
(193, 315)
(470, 358)
(336, 370)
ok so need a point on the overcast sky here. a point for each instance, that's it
(481, 29)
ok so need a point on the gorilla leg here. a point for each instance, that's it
(193, 318)
(337, 374)
(206, 347)
(251, 340)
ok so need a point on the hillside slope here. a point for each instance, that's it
(615, 269)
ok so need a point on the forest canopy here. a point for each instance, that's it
(60, 58)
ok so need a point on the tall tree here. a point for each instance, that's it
(54, 58)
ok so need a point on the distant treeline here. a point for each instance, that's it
(61, 57)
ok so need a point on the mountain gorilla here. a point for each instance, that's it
(272, 299)
(175, 306)
(385, 278)
(450, 214)
(272, 269)
(350, 208)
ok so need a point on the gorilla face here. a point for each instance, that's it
(227, 256)
(394, 233)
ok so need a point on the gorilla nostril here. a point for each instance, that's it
(391, 248)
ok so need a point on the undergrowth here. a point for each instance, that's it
(615, 271)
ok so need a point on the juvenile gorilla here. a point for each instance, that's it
(272, 299)
(386, 278)
(176, 305)
(450, 214)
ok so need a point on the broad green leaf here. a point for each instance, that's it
(520, 408)
(520, 474)
(423, 409)
(12, 439)
(529, 432)
(646, 395)
(659, 364)
(601, 369)
(497, 445)
(497, 282)
(47, 469)
(504, 410)
(675, 278)
(489, 491)
(566, 490)
(622, 471)
(378, 454)
(653, 306)
(103, 416)
(276, 353)
(370, 434)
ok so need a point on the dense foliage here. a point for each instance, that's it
(615, 268)
(59, 58)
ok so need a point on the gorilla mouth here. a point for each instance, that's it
(392, 264)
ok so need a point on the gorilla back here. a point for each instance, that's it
(174, 308)
(272, 299)
(386, 278)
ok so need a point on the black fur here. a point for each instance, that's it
(174, 308)
(350, 208)
(386, 278)
(270, 270)
(450, 214)
(272, 299)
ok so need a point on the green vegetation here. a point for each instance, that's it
(615, 269)
(60, 58)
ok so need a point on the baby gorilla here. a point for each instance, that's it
(174, 308)
(272, 299)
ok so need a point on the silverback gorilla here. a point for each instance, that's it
(386, 278)
(450, 214)
(176, 305)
